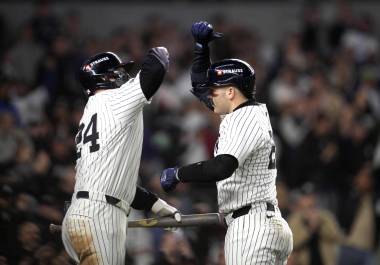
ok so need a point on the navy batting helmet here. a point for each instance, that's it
(103, 71)
(233, 72)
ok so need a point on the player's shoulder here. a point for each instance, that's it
(245, 116)
(247, 110)
(259, 108)
(131, 82)
(124, 89)
(99, 99)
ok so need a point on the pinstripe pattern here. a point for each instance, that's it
(113, 168)
(94, 231)
(96, 235)
(255, 238)
(244, 134)
(259, 237)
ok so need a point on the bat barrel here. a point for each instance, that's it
(164, 222)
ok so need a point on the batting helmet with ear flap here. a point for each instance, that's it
(233, 72)
(103, 71)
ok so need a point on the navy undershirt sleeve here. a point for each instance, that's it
(216, 169)
(201, 63)
(151, 75)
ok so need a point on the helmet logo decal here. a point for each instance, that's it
(87, 68)
(99, 61)
(229, 71)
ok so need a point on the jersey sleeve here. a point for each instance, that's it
(239, 136)
(128, 100)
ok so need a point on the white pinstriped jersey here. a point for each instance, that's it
(109, 141)
(246, 133)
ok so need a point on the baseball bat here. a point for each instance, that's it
(164, 222)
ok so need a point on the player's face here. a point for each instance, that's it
(220, 100)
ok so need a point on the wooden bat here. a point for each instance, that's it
(165, 222)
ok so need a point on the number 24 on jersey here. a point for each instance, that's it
(91, 135)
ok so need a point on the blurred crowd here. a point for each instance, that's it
(322, 88)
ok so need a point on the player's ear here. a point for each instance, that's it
(230, 92)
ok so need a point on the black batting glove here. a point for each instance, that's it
(162, 54)
(203, 33)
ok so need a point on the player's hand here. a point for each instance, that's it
(162, 54)
(203, 32)
(162, 208)
(169, 179)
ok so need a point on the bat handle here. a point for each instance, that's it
(55, 229)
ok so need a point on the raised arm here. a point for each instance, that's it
(203, 33)
(154, 67)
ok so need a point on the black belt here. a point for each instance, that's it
(244, 210)
(86, 195)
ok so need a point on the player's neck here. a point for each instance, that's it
(98, 91)
(237, 102)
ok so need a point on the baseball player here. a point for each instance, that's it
(244, 166)
(109, 143)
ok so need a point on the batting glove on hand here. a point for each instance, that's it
(162, 54)
(162, 208)
(169, 179)
(203, 32)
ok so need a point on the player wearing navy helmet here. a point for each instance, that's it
(104, 71)
(109, 144)
(244, 163)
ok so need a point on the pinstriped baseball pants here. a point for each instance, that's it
(258, 238)
(95, 232)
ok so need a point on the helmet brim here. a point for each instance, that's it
(126, 65)
(210, 85)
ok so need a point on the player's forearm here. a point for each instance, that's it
(216, 169)
(201, 62)
(151, 75)
(143, 199)
(146, 200)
